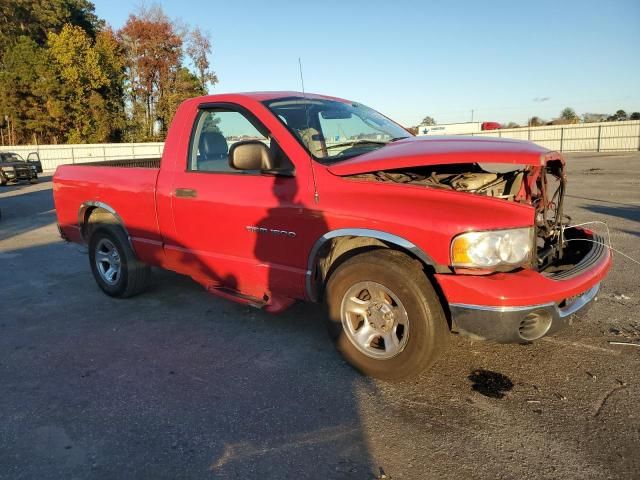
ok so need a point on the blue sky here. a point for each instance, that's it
(505, 60)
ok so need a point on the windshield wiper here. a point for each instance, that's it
(398, 138)
(356, 142)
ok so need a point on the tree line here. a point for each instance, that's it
(67, 77)
(567, 116)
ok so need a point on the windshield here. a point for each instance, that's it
(10, 157)
(332, 130)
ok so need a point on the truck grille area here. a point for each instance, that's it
(22, 172)
(582, 251)
(547, 199)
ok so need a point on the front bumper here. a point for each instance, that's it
(18, 174)
(519, 324)
(524, 305)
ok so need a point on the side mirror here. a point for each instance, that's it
(250, 155)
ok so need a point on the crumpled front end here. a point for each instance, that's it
(525, 305)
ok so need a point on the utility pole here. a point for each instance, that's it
(472, 115)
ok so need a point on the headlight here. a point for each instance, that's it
(493, 248)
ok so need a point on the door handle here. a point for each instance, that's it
(186, 193)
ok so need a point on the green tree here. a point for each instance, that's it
(535, 121)
(27, 89)
(634, 116)
(153, 56)
(88, 73)
(36, 18)
(619, 116)
(184, 85)
(569, 115)
(428, 121)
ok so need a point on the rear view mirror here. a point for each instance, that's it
(250, 155)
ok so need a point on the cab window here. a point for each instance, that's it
(216, 131)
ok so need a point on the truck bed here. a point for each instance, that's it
(124, 186)
(125, 163)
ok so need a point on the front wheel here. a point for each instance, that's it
(385, 316)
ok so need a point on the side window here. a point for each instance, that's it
(215, 132)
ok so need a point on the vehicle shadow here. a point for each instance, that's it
(628, 213)
(172, 383)
(27, 210)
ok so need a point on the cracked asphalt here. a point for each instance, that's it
(176, 383)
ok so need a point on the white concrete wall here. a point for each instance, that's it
(54, 155)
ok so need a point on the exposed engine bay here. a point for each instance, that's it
(542, 187)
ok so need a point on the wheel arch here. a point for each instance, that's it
(108, 215)
(335, 246)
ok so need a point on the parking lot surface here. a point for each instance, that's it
(176, 383)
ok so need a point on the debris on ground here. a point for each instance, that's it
(621, 296)
(633, 344)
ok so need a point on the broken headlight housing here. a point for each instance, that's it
(494, 249)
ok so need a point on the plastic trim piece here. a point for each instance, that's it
(358, 232)
(96, 204)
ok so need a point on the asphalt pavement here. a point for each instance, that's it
(176, 383)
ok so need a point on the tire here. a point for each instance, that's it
(399, 293)
(34, 180)
(132, 275)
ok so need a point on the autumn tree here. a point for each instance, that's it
(199, 49)
(153, 57)
(64, 77)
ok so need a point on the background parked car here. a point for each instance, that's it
(14, 168)
(33, 158)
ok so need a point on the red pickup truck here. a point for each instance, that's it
(271, 197)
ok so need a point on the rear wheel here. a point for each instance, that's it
(385, 316)
(115, 267)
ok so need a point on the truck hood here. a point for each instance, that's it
(422, 151)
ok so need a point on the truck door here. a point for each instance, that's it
(237, 230)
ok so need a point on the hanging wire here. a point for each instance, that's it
(608, 245)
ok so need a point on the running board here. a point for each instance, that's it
(237, 297)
